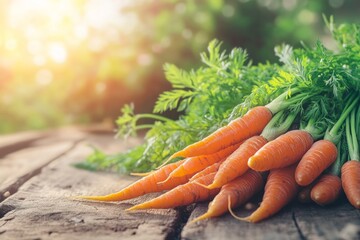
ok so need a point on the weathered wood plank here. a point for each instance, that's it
(42, 208)
(20, 166)
(278, 227)
(13, 142)
(61, 135)
(340, 221)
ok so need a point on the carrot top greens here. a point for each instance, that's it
(312, 83)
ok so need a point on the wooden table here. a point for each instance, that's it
(37, 180)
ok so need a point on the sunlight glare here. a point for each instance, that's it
(44, 77)
(50, 29)
(57, 52)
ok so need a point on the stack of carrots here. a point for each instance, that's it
(259, 151)
(298, 139)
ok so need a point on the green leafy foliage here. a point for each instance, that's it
(206, 97)
(312, 83)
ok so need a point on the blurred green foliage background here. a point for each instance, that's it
(79, 62)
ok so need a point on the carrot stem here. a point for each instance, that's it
(333, 135)
(278, 126)
(351, 137)
(358, 117)
(153, 116)
(335, 168)
(354, 136)
(282, 102)
(316, 132)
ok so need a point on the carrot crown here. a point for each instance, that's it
(287, 99)
(335, 133)
(278, 125)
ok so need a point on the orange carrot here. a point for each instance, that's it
(140, 174)
(350, 177)
(210, 169)
(251, 124)
(181, 195)
(236, 164)
(319, 157)
(326, 190)
(239, 190)
(281, 152)
(280, 189)
(147, 184)
(193, 165)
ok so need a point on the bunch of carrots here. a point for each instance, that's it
(302, 143)
(230, 165)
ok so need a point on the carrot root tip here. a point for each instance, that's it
(141, 174)
(299, 180)
(202, 185)
(175, 155)
(202, 217)
(132, 208)
(89, 198)
(167, 179)
(232, 213)
(78, 197)
(357, 204)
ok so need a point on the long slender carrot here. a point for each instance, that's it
(193, 165)
(210, 169)
(326, 190)
(281, 152)
(236, 164)
(182, 195)
(239, 190)
(147, 184)
(280, 189)
(251, 124)
(350, 177)
(319, 157)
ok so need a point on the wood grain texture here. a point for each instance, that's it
(297, 221)
(43, 208)
(13, 142)
(338, 221)
(20, 166)
(278, 227)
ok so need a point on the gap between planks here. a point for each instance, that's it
(24, 163)
(11, 184)
(43, 201)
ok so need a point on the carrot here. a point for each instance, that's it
(319, 157)
(236, 164)
(210, 169)
(281, 152)
(280, 189)
(147, 184)
(181, 195)
(239, 191)
(350, 171)
(140, 174)
(251, 124)
(350, 177)
(326, 190)
(193, 165)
